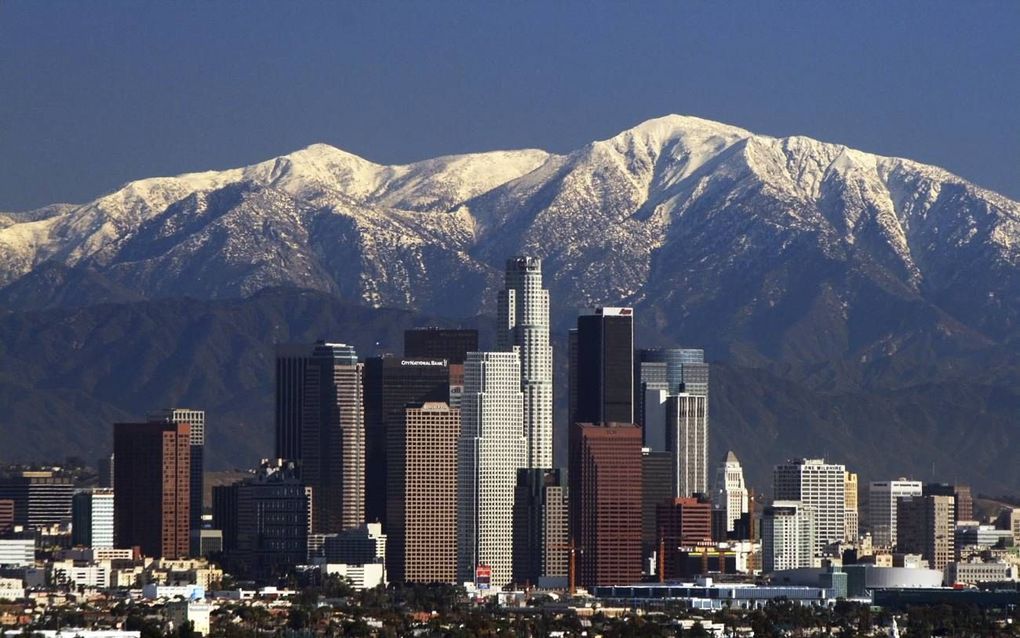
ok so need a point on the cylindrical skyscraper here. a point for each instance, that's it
(523, 310)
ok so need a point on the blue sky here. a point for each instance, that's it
(93, 94)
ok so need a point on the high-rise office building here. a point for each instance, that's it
(851, 517)
(787, 536)
(656, 487)
(153, 495)
(672, 370)
(92, 518)
(820, 485)
(730, 494)
(451, 344)
(925, 525)
(104, 465)
(320, 424)
(605, 502)
(272, 521)
(540, 526)
(523, 314)
(422, 495)
(681, 523)
(963, 501)
(490, 451)
(224, 504)
(392, 383)
(196, 419)
(687, 442)
(41, 498)
(882, 496)
(604, 367)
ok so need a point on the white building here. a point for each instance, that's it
(523, 311)
(490, 451)
(92, 518)
(365, 576)
(820, 485)
(80, 573)
(197, 613)
(17, 552)
(787, 536)
(730, 491)
(687, 442)
(882, 497)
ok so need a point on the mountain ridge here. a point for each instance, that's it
(839, 272)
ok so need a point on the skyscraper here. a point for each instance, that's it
(422, 495)
(604, 368)
(730, 491)
(392, 383)
(787, 536)
(681, 523)
(820, 485)
(196, 419)
(451, 344)
(523, 312)
(687, 442)
(540, 526)
(490, 451)
(92, 518)
(882, 496)
(656, 487)
(672, 370)
(153, 495)
(272, 521)
(925, 526)
(605, 502)
(851, 517)
(320, 424)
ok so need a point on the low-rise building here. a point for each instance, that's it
(184, 611)
(364, 576)
(972, 573)
(17, 552)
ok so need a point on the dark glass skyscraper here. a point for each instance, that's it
(320, 424)
(451, 344)
(604, 368)
(392, 383)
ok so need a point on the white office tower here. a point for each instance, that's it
(882, 496)
(787, 536)
(490, 451)
(687, 443)
(523, 311)
(730, 491)
(820, 485)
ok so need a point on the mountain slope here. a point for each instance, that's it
(841, 273)
(67, 374)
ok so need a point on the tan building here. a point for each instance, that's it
(851, 513)
(421, 502)
(926, 527)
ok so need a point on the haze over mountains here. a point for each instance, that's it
(863, 307)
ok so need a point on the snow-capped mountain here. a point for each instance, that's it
(769, 248)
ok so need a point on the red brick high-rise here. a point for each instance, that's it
(605, 503)
(681, 523)
(153, 487)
